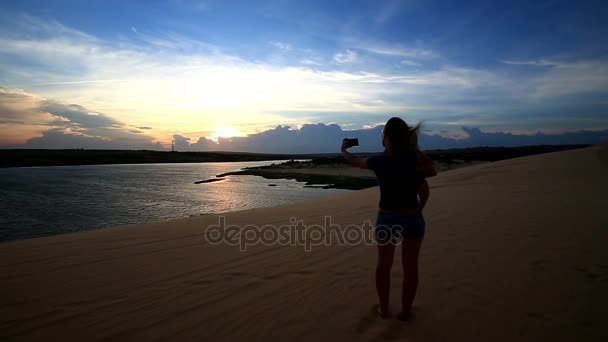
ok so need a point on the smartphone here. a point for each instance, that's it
(350, 142)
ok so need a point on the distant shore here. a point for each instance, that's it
(327, 173)
(26, 158)
(336, 172)
(42, 157)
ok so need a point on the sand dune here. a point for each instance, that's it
(515, 251)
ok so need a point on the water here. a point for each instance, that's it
(38, 201)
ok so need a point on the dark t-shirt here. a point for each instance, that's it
(398, 180)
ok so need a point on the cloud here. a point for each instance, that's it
(478, 138)
(389, 10)
(347, 56)
(53, 124)
(409, 62)
(79, 82)
(541, 62)
(19, 106)
(57, 125)
(77, 116)
(559, 78)
(571, 78)
(170, 72)
(396, 50)
(281, 46)
(183, 143)
(311, 62)
(181, 84)
(326, 138)
(59, 138)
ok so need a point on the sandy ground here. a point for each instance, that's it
(515, 251)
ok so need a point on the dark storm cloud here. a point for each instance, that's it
(67, 125)
(58, 139)
(78, 115)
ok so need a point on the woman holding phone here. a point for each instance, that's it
(401, 171)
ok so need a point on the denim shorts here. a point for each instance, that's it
(399, 227)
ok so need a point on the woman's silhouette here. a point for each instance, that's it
(401, 171)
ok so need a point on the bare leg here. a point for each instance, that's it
(411, 250)
(383, 274)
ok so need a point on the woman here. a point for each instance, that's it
(400, 170)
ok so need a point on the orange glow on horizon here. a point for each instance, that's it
(225, 132)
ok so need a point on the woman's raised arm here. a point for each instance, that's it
(356, 161)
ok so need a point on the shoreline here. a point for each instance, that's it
(324, 175)
(327, 177)
(357, 179)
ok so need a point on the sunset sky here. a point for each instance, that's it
(127, 74)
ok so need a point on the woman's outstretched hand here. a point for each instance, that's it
(343, 148)
(355, 161)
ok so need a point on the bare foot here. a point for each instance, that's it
(383, 314)
(405, 317)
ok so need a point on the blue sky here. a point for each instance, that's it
(211, 69)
